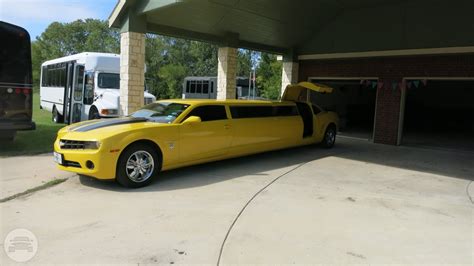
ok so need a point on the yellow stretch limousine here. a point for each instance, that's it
(169, 134)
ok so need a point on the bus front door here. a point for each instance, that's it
(74, 94)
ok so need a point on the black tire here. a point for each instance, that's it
(329, 137)
(93, 113)
(123, 175)
(56, 117)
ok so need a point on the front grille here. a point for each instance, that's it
(72, 164)
(71, 144)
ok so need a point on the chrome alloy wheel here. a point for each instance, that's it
(330, 137)
(140, 166)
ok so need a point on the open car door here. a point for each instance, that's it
(299, 92)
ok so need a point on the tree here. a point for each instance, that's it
(269, 76)
(244, 62)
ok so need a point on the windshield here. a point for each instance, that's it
(161, 112)
(108, 81)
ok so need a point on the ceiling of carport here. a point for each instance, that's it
(281, 25)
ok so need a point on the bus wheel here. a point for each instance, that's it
(329, 137)
(137, 166)
(57, 117)
(93, 113)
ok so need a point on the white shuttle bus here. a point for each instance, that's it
(82, 86)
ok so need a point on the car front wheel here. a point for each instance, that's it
(137, 166)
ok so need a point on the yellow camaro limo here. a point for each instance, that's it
(169, 134)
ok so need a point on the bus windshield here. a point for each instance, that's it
(108, 81)
(162, 112)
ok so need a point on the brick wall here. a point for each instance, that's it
(389, 70)
(132, 71)
(226, 72)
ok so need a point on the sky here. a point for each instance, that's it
(36, 15)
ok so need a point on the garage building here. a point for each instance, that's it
(403, 70)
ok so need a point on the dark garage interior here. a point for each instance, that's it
(440, 114)
(354, 101)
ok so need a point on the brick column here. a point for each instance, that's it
(226, 73)
(387, 113)
(132, 71)
(289, 74)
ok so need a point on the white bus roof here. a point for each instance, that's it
(92, 61)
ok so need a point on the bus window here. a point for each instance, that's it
(89, 88)
(79, 85)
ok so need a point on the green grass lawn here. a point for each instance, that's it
(34, 141)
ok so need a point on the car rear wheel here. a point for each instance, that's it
(138, 165)
(329, 137)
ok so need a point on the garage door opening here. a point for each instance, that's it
(354, 101)
(440, 114)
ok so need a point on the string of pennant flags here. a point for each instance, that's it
(404, 84)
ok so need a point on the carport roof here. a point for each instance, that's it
(304, 26)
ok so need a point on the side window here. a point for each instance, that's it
(209, 112)
(44, 79)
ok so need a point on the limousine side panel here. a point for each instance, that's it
(253, 135)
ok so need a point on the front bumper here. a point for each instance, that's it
(75, 160)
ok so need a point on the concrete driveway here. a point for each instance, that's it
(358, 203)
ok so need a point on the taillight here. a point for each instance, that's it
(26, 91)
(17, 90)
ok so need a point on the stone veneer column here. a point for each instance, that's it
(226, 73)
(289, 74)
(132, 71)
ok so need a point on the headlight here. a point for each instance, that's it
(109, 111)
(91, 145)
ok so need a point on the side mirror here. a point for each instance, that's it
(192, 120)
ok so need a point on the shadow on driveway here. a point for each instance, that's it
(440, 162)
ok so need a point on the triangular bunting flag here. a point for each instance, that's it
(379, 85)
(424, 82)
(394, 85)
(374, 84)
(416, 83)
(409, 84)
